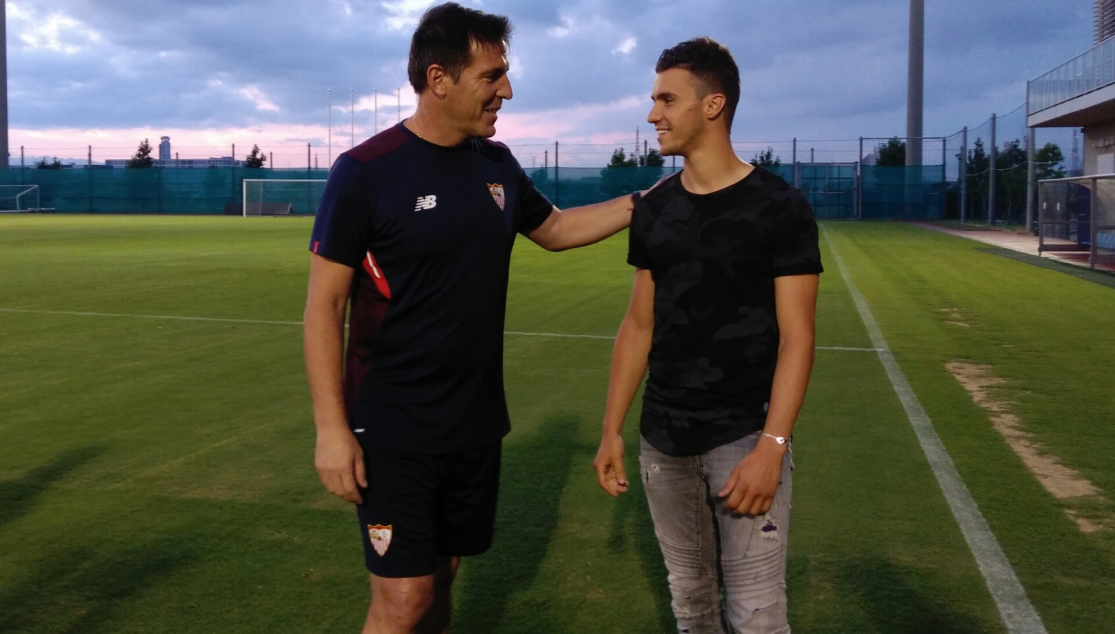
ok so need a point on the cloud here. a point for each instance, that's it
(254, 94)
(404, 14)
(625, 46)
(54, 31)
(809, 69)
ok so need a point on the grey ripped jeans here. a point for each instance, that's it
(709, 548)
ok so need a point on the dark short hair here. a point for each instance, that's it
(712, 66)
(444, 37)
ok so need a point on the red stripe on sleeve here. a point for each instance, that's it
(376, 274)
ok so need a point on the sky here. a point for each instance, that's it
(213, 73)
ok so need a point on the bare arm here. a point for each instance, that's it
(751, 487)
(583, 225)
(338, 457)
(629, 365)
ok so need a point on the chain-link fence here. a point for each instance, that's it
(981, 173)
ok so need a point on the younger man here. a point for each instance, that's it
(722, 311)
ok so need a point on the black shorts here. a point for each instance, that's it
(421, 509)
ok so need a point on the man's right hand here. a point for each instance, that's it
(340, 463)
(609, 465)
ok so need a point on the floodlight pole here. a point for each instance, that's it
(915, 88)
(797, 174)
(963, 172)
(556, 181)
(859, 181)
(3, 86)
(329, 92)
(991, 176)
(1031, 182)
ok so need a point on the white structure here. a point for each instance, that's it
(1081, 94)
(1105, 19)
(223, 161)
(164, 149)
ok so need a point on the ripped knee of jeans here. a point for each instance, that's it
(761, 612)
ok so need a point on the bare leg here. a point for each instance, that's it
(412, 605)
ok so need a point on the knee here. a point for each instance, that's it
(761, 611)
(404, 604)
(694, 595)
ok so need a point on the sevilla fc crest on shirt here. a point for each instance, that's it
(497, 193)
(380, 537)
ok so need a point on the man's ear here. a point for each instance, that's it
(714, 105)
(437, 81)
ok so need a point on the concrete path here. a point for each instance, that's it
(1021, 242)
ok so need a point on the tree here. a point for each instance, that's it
(255, 158)
(620, 159)
(978, 163)
(652, 159)
(142, 157)
(54, 165)
(892, 154)
(766, 158)
(1010, 181)
(1049, 162)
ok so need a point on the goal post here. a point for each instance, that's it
(281, 197)
(19, 198)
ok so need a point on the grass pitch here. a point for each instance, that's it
(156, 474)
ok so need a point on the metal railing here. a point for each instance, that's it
(1082, 74)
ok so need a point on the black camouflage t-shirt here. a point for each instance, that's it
(714, 258)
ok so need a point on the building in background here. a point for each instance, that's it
(1105, 19)
(164, 149)
(1081, 94)
(222, 161)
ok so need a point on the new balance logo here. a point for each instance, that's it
(425, 202)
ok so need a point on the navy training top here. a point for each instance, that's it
(714, 258)
(429, 230)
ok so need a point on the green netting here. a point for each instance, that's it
(888, 192)
(830, 188)
(903, 193)
(139, 191)
(576, 186)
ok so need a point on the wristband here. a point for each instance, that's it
(778, 439)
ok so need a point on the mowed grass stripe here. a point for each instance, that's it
(158, 478)
(1018, 613)
(1051, 337)
(299, 323)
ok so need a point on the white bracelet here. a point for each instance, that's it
(778, 439)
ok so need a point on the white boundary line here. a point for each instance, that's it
(556, 334)
(1018, 613)
(70, 313)
(171, 317)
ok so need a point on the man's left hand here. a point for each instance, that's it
(751, 487)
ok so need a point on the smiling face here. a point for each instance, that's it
(680, 115)
(471, 102)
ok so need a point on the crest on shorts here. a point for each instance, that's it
(380, 536)
(497, 193)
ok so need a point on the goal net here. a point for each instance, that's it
(266, 197)
(16, 198)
